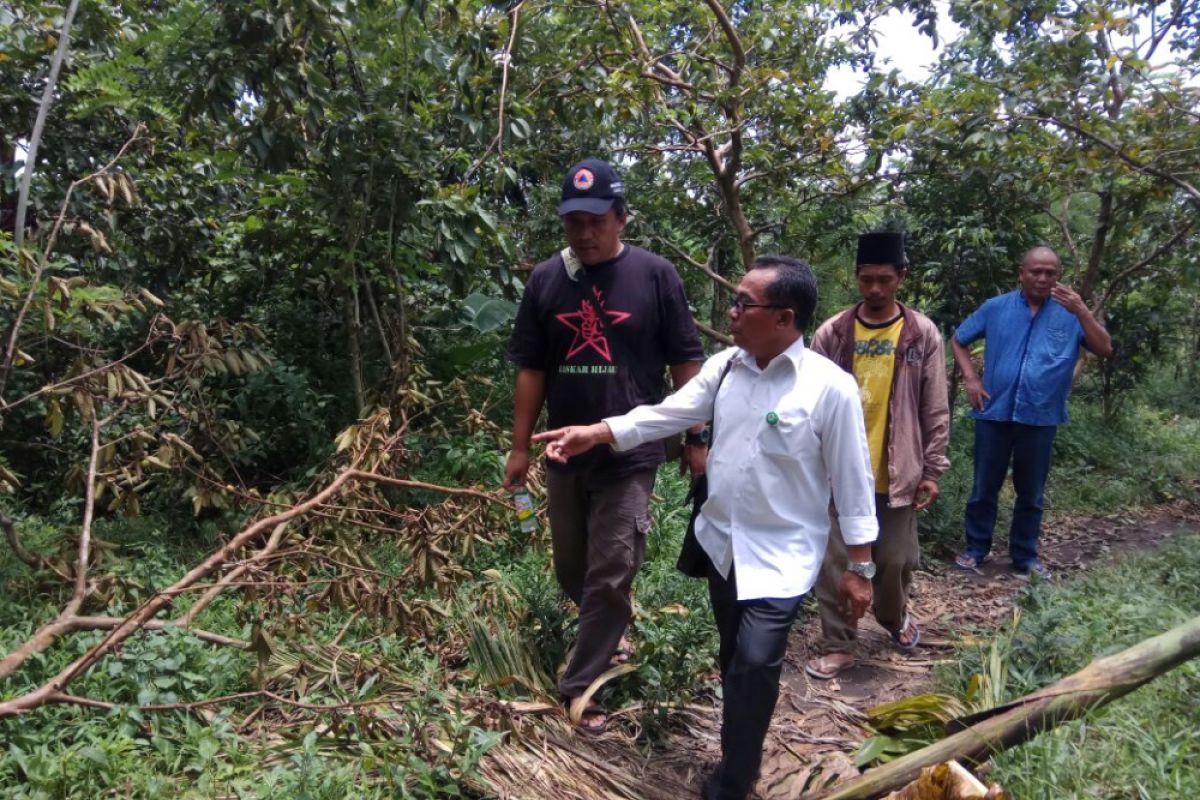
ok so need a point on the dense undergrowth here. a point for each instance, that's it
(1148, 454)
(430, 745)
(1145, 745)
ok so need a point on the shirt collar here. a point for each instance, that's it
(574, 266)
(794, 354)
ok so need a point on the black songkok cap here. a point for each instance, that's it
(882, 247)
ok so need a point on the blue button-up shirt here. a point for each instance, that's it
(1029, 362)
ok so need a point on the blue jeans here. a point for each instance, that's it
(1028, 447)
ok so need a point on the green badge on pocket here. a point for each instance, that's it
(772, 418)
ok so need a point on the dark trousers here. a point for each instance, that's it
(598, 531)
(1028, 447)
(753, 636)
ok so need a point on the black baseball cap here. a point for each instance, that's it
(591, 186)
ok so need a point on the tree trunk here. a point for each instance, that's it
(720, 309)
(952, 391)
(1096, 685)
(731, 194)
(354, 348)
(1091, 275)
(39, 124)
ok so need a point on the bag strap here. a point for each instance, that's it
(577, 273)
(712, 429)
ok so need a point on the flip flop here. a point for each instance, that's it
(623, 654)
(822, 669)
(593, 720)
(916, 634)
(968, 562)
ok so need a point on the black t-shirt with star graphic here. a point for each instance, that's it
(597, 368)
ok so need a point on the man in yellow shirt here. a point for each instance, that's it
(897, 356)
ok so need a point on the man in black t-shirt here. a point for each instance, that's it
(597, 325)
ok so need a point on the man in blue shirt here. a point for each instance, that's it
(1033, 338)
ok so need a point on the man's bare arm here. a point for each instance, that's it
(977, 395)
(527, 404)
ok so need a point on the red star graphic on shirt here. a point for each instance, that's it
(589, 330)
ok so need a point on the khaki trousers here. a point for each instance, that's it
(598, 532)
(896, 554)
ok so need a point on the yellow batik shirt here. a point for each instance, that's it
(874, 362)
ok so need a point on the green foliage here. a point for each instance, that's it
(1149, 453)
(673, 628)
(906, 725)
(61, 751)
(1144, 745)
(1093, 464)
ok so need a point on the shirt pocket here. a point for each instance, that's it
(787, 438)
(1060, 340)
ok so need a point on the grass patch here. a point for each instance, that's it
(1145, 745)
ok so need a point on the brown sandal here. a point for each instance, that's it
(909, 626)
(824, 668)
(593, 720)
(623, 654)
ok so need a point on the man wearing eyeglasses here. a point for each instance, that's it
(598, 325)
(787, 426)
(897, 357)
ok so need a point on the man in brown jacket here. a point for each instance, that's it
(897, 356)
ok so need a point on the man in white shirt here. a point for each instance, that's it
(788, 427)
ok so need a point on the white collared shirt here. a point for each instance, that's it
(769, 484)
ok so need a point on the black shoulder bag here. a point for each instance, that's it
(693, 561)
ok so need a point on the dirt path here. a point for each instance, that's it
(817, 726)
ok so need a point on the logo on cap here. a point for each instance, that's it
(584, 179)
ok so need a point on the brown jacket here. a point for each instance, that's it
(918, 412)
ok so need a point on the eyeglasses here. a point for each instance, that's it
(740, 305)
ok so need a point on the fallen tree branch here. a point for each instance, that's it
(63, 697)
(108, 623)
(152, 338)
(151, 607)
(89, 512)
(120, 629)
(432, 487)
(45, 636)
(1096, 685)
(26, 556)
(210, 594)
(135, 621)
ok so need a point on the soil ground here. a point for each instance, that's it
(818, 724)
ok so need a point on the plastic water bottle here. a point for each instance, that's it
(524, 503)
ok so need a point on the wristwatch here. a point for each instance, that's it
(864, 569)
(697, 439)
